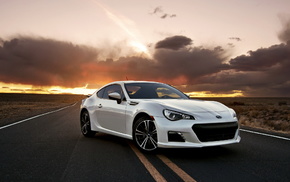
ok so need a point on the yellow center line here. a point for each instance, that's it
(151, 169)
(183, 175)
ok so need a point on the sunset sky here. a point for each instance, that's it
(205, 48)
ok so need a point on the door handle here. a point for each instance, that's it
(100, 106)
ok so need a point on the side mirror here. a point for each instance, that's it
(115, 96)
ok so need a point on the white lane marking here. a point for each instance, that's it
(273, 136)
(33, 117)
(150, 168)
(182, 174)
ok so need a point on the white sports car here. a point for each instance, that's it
(156, 115)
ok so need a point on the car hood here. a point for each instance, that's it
(191, 105)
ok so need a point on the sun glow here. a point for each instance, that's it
(140, 48)
(21, 88)
(127, 26)
(77, 90)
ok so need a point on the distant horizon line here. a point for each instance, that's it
(190, 96)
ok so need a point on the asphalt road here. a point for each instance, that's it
(51, 148)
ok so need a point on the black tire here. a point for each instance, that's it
(86, 125)
(145, 134)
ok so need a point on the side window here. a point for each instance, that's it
(131, 90)
(100, 93)
(111, 89)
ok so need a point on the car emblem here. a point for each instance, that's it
(218, 116)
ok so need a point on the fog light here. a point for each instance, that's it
(175, 136)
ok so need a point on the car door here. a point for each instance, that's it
(110, 114)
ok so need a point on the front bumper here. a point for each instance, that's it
(188, 138)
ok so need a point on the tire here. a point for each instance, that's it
(86, 125)
(145, 135)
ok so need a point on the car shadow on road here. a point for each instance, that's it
(107, 138)
(205, 153)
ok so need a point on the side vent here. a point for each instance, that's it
(132, 103)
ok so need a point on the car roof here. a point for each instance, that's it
(131, 81)
(124, 82)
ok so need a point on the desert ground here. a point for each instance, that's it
(272, 114)
(15, 107)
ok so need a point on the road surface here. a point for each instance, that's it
(51, 148)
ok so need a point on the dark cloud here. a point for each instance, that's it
(171, 66)
(261, 73)
(132, 67)
(159, 12)
(235, 38)
(190, 64)
(174, 42)
(1, 41)
(48, 62)
(40, 61)
(262, 59)
(158, 9)
(168, 15)
(284, 34)
(164, 16)
(231, 45)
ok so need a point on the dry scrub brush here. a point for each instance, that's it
(266, 113)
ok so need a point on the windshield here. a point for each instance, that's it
(153, 91)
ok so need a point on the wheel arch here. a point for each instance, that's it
(82, 111)
(149, 145)
(86, 123)
(138, 116)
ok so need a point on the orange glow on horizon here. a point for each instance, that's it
(20, 88)
(236, 93)
(30, 89)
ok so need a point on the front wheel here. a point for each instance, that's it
(145, 134)
(86, 125)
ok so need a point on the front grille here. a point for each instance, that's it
(215, 132)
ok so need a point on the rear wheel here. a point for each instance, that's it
(145, 134)
(86, 125)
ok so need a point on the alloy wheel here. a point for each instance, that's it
(145, 135)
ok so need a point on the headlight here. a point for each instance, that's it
(233, 113)
(174, 116)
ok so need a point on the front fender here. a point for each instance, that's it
(149, 108)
